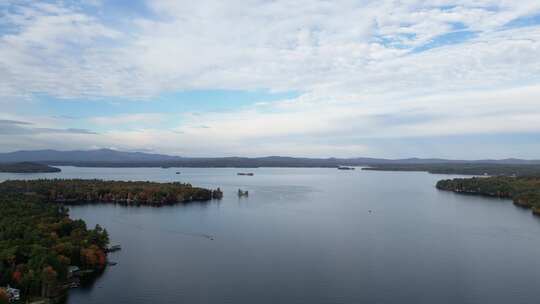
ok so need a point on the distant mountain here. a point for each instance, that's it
(114, 158)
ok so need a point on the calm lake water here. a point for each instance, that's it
(308, 236)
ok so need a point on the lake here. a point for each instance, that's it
(310, 235)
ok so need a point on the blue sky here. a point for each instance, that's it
(304, 78)
(177, 102)
(79, 110)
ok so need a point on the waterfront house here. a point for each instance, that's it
(72, 271)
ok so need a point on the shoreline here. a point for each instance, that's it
(523, 191)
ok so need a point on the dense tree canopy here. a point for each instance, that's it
(76, 191)
(525, 191)
(38, 242)
(27, 167)
(463, 168)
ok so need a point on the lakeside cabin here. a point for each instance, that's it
(73, 271)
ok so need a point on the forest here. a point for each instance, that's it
(81, 191)
(39, 242)
(27, 167)
(524, 191)
(463, 168)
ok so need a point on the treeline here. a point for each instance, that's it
(524, 191)
(463, 169)
(79, 191)
(27, 167)
(39, 242)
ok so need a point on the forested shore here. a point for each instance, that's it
(463, 168)
(524, 191)
(27, 167)
(81, 191)
(40, 245)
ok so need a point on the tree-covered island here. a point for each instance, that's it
(41, 247)
(27, 167)
(524, 191)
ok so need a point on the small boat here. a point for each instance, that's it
(177, 172)
(112, 263)
(345, 168)
(246, 174)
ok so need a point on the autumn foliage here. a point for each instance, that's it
(77, 191)
(38, 240)
(93, 257)
(4, 299)
(38, 243)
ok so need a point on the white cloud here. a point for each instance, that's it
(329, 129)
(290, 45)
(138, 119)
(351, 61)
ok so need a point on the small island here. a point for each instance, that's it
(245, 174)
(27, 167)
(524, 191)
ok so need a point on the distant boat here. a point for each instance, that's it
(177, 172)
(242, 193)
(345, 168)
(246, 174)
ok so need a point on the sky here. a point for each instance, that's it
(387, 78)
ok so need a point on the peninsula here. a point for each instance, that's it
(27, 167)
(82, 191)
(41, 247)
(472, 168)
(524, 191)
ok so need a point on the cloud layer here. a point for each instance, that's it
(367, 73)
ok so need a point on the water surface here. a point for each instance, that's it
(312, 236)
